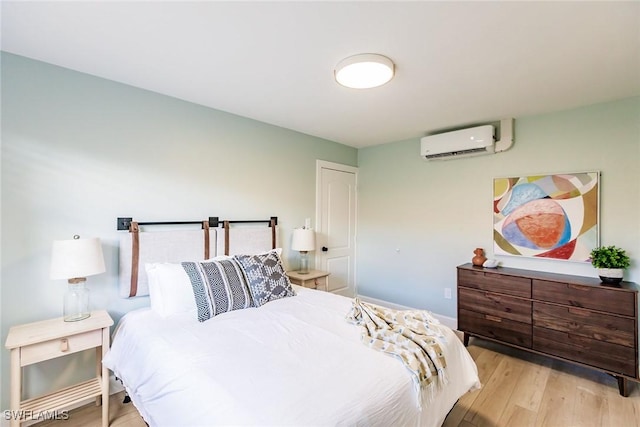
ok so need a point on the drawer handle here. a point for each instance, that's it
(492, 318)
(64, 345)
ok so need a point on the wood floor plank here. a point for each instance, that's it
(490, 404)
(515, 415)
(558, 401)
(590, 407)
(531, 385)
(522, 407)
(623, 411)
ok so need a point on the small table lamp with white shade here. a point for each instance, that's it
(304, 240)
(74, 260)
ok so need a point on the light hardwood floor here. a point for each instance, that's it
(519, 390)
(522, 389)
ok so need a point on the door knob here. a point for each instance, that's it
(325, 249)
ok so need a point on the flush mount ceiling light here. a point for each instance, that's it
(364, 71)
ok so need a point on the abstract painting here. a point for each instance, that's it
(547, 216)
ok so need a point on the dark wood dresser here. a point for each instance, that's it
(572, 318)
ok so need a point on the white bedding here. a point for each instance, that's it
(294, 361)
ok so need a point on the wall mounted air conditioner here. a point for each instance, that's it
(474, 141)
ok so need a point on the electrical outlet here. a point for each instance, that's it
(447, 293)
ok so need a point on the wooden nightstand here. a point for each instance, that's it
(48, 339)
(315, 279)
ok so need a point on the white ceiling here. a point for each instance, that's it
(458, 63)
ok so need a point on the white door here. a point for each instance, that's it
(336, 225)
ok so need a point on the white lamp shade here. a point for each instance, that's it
(76, 258)
(304, 239)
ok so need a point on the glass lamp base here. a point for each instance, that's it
(76, 303)
(304, 262)
(76, 317)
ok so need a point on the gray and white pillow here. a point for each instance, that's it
(266, 277)
(218, 287)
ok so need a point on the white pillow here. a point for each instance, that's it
(170, 289)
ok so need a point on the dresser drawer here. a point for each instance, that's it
(495, 327)
(496, 305)
(611, 357)
(609, 300)
(60, 347)
(586, 323)
(487, 281)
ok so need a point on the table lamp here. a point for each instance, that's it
(74, 260)
(304, 240)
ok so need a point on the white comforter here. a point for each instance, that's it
(294, 361)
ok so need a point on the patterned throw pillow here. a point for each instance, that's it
(218, 287)
(266, 277)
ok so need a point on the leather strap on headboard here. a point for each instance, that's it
(226, 237)
(135, 257)
(273, 233)
(205, 227)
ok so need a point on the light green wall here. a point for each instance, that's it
(418, 219)
(79, 151)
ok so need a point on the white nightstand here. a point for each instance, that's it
(315, 279)
(48, 339)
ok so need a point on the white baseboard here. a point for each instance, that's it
(451, 322)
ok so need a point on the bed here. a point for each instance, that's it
(292, 359)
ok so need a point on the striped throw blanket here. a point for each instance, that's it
(409, 335)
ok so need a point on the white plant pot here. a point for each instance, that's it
(610, 275)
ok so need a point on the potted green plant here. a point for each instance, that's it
(610, 262)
